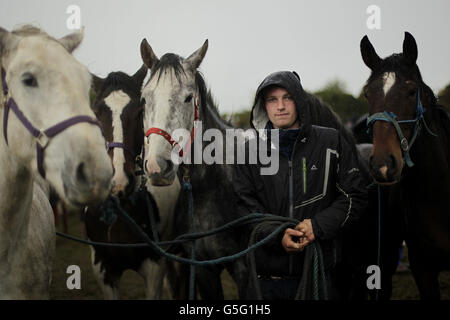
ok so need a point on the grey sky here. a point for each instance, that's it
(248, 39)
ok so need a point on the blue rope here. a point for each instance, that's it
(157, 246)
(183, 238)
(187, 187)
(379, 236)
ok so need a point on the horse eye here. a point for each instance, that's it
(29, 80)
(188, 98)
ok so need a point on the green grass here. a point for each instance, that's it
(132, 285)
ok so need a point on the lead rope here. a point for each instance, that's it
(377, 297)
(307, 290)
(187, 188)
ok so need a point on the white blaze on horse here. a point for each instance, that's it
(49, 131)
(119, 109)
(176, 97)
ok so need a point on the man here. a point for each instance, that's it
(318, 183)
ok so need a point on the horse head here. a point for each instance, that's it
(119, 109)
(51, 128)
(171, 102)
(395, 92)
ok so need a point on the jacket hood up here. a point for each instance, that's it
(289, 81)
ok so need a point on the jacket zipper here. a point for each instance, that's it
(304, 174)
(291, 209)
(291, 191)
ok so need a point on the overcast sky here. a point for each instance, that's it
(248, 39)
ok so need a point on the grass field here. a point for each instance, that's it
(132, 286)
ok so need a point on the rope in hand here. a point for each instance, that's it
(313, 251)
(307, 290)
(157, 246)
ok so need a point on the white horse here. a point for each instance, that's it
(45, 85)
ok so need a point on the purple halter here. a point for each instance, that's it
(112, 145)
(42, 137)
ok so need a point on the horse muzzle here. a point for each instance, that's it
(86, 186)
(385, 171)
(159, 171)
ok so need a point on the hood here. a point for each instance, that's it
(289, 81)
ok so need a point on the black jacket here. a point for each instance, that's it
(321, 182)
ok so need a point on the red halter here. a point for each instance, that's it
(168, 137)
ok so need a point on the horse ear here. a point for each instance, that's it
(148, 56)
(73, 40)
(7, 41)
(97, 83)
(139, 76)
(3, 40)
(196, 58)
(368, 53)
(409, 49)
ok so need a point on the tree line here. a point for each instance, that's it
(347, 106)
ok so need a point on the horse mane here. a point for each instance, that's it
(28, 30)
(396, 64)
(169, 61)
(121, 80)
(208, 105)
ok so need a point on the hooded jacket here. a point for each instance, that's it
(320, 182)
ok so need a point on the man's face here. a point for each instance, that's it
(281, 109)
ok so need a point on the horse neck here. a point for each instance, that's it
(429, 153)
(16, 189)
(210, 119)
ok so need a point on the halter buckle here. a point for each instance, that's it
(43, 140)
(404, 144)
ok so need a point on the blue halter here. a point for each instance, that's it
(392, 118)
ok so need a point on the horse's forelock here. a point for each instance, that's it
(120, 80)
(30, 30)
(395, 63)
(168, 62)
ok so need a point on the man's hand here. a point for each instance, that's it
(306, 228)
(304, 231)
(289, 244)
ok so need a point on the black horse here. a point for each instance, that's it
(411, 154)
(119, 110)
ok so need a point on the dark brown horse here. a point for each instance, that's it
(411, 153)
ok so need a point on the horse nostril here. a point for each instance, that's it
(81, 174)
(393, 162)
